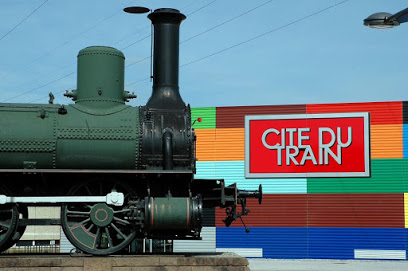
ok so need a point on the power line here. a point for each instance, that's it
(201, 8)
(39, 87)
(140, 60)
(11, 30)
(125, 37)
(208, 30)
(254, 38)
(86, 30)
(206, 5)
(191, 3)
(227, 21)
(59, 46)
(148, 36)
(240, 43)
(46, 96)
(71, 39)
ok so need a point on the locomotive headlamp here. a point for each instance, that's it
(385, 20)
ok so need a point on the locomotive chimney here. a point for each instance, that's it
(166, 95)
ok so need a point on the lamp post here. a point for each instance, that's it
(384, 20)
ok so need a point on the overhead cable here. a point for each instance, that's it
(253, 38)
(22, 21)
(200, 8)
(24, 93)
(266, 33)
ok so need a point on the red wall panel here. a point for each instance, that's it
(234, 117)
(380, 112)
(356, 210)
(276, 210)
(323, 210)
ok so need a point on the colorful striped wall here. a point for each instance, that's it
(317, 218)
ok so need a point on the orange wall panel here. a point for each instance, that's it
(386, 141)
(230, 144)
(205, 144)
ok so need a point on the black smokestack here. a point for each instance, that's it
(166, 95)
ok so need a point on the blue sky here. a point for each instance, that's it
(326, 58)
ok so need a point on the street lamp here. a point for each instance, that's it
(384, 20)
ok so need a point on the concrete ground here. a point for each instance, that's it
(326, 265)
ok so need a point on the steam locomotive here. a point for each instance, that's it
(118, 172)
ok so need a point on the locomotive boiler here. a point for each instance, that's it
(118, 172)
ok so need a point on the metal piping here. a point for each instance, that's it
(167, 150)
(166, 95)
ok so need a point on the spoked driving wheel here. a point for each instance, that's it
(8, 225)
(97, 228)
(23, 213)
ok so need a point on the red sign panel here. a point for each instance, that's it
(307, 145)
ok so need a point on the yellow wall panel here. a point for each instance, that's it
(205, 144)
(230, 144)
(406, 209)
(386, 141)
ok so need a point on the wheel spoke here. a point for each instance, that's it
(88, 190)
(121, 221)
(109, 238)
(101, 189)
(121, 211)
(118, 231)
(85, 221)
(77, 213)
(3, 211)
(90, 227)
(5, 226)
(98, 237)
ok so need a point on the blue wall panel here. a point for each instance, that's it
(205, 170)
(339, 243)
(313, 243)
(233, 171)
(284, 243)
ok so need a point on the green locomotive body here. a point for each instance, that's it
(42, 138)
(99, 131)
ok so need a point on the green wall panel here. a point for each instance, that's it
(208, 117)
(387, 176)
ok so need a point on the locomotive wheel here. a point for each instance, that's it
(23, 211)
(18, 233)
(98, 229)
(8, 225)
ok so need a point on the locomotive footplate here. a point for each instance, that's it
(38, 221)
(113, 198)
